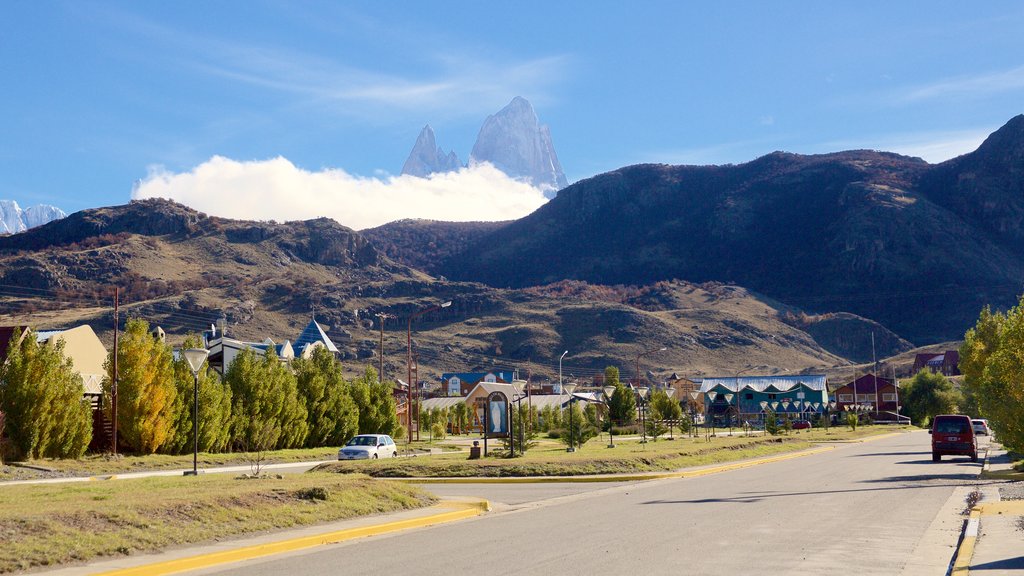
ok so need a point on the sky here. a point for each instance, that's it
(284, 110)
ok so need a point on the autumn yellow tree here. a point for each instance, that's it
(145, 389)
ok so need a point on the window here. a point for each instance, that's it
(490, 379)
(846, 398)
(865, 397)
(748, 396)
(771, 396)
(889, 397)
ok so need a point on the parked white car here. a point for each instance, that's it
(369, 447)
(980, 426)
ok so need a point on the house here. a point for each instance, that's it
(946, 363)
(880, 393)
(685, 389)
(796, 395)
(81, 345)
(224, 350)
(461, 383)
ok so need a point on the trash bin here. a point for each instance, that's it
(474, 451)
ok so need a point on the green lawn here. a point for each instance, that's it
(48, 525)
(550, 458)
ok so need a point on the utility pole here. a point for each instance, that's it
(416, 378)
(113, 381)
(874, 372)
(381, 318)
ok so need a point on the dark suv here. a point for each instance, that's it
(952, 434)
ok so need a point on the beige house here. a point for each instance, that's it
(86, 351)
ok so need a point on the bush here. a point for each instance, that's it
(437, 431)
(556, 433)
(630, 430)
(851, 420)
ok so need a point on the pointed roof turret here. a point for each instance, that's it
(313, 333)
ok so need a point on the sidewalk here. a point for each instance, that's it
(996, 526)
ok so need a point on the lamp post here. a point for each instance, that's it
(693, 412)
(609, 391)
(570, 388)
(382, 316)
(670, 392)
(408, 363)
(517, 398)
(560, 371)
(764, 416)
(642, 393)
(195, 358)
(728, 402)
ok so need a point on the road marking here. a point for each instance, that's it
(455, 510)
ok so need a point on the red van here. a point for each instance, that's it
(952, 434)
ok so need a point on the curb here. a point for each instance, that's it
(965, 549)
(456, 510)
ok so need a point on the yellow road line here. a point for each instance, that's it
(455, 511)
(964, 553)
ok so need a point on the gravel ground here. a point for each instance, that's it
(1012, 491)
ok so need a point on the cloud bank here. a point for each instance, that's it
(276, 189)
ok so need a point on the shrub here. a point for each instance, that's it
(437, 431)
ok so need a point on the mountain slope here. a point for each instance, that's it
(864, 232)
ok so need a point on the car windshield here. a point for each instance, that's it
(363, 441)
(950, 426)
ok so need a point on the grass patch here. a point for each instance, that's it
(49, 525)
(551, 459)
(105, 464)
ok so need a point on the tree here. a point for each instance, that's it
(665, 408)
(622, 404)
(214, 408)
(41, 400)
(378, 413)
(265, 406)
(332, 414)
(525, 435)
(146, 393)
(927, 395)
(577, 429)
(992, 361)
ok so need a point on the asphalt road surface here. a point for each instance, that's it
(860, 508)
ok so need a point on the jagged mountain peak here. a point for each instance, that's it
(428, 158)
(14, 219)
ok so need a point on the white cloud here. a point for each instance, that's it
(967, 86)
(276, 189)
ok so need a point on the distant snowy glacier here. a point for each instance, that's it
(13, 219)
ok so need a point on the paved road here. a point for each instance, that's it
(859, 508)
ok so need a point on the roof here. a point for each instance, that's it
(489, 387)
(866, 383)
(474, 377)
(313, 333)
(762, 383)
(443, 403)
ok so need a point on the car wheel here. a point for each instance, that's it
(394, 454)
(374, 456)
(974, 457)
(936, 457)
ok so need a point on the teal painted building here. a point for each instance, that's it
(800, 395)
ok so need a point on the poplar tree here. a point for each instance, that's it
(146, 393)
(376, 403)
(41, 398)
(214, 408)
(622, 405)
(332, 415)
(266, 411)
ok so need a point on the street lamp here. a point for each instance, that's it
(408, 364)
(728, 402)
(764, 416)
(560, 371)
(670, 392)
(195, 358)
(609, 391)
(642, 393)
(693, 412)
(570, 388)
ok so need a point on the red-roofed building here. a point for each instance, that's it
(865, 387)
(946, 363)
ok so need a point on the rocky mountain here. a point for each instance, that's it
(181, 269)
(13, 219)
(425, 244)
(513, 140)
(918, 247)
(428, 158)
(517, 143)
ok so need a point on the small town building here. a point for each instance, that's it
(798, 396)
(462, 383)
(946, 363)
(877, 393)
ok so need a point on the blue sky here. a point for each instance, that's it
(98, 96)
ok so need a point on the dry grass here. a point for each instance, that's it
(551, 459)
(48, 525)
